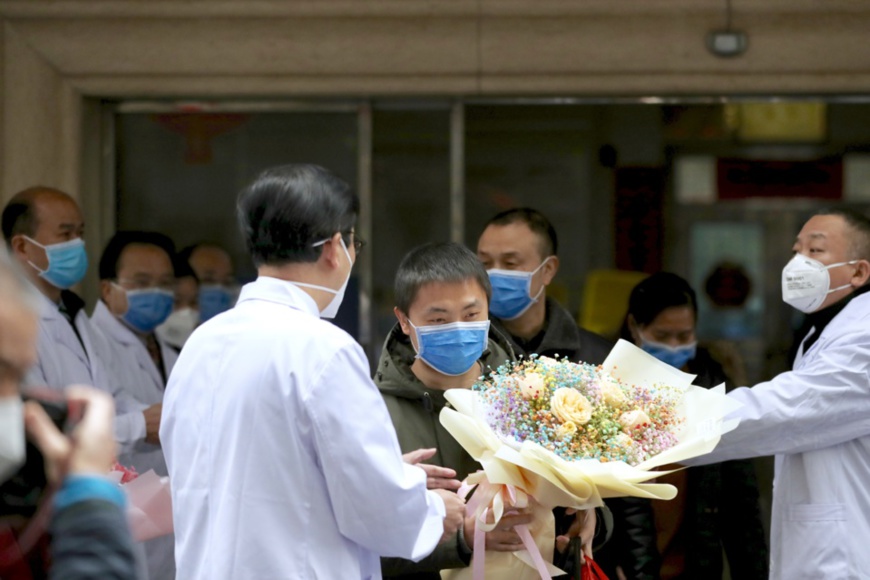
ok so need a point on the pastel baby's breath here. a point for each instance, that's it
(579, 411)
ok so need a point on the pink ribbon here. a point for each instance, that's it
(479, 506)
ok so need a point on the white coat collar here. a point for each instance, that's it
(48, 307)
(281, 292)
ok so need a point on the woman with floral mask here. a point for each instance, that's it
(705, 517)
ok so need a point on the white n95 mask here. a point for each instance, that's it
(806, 282)
(12, 449)
(178, 326)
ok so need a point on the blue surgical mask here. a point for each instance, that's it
(512, 292)
(451, 349)
(147, 309)
(214, 299)
(676, 356)
(67, 263)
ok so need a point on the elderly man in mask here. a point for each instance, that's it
(816, 418)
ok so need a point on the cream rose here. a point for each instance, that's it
(548, 359)
(633, 419)
(570, 406)
(624, 440)
(566, 429)
(611, 392)
(531, 385)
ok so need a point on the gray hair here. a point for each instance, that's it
(437, 262)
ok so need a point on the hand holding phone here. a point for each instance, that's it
(90, 446)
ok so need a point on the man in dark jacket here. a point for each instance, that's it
(518, 248)
(442, 341)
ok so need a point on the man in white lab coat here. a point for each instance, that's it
(283, 460)
(136, 295)
(816, 418)
(43, 229)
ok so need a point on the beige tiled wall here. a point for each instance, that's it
(56, 53)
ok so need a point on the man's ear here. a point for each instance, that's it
(332, 251)
(105, 290)
(18, 246)
(403, 320)
(862, 273)
(549, 270)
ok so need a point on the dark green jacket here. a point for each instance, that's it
(414, 409)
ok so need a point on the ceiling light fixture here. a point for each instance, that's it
(727, 42)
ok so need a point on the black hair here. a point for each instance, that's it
(859, 246)
(536, 221)
(289, 208)
(113, 250)
(437, 262)
(19, 215)
(658, 292)
(185, 253)
(182, 268)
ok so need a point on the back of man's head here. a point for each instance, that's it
(858, 230)
(121, 240)
(20, 214)
(289, 208)
(535, 221)
(437, 262)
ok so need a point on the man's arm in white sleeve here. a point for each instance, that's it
(822, 404)
(379, 501)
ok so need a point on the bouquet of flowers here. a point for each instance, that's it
(569, 434)
(149, 504)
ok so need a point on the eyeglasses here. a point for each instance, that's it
(358, 243)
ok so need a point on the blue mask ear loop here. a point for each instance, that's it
(537, 296)
(417, 335)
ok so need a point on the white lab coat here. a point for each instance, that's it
(139, 377)
(62, 361)
(282, 456)
(816, 420)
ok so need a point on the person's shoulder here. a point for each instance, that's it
(859, 307)
(594, 348)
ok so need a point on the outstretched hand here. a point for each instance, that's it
(437, 477)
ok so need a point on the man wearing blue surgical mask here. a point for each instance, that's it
(43, 229)
(217, 284)
(442, 341)
(136, 295)
(518, 248)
